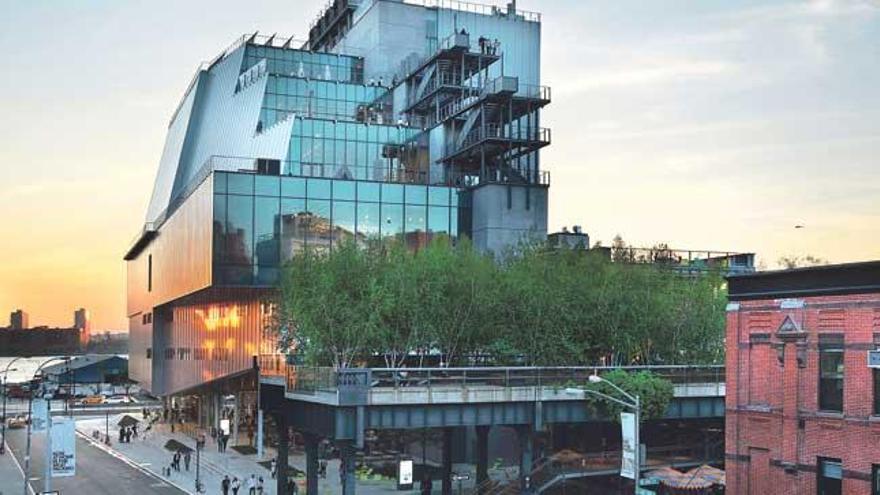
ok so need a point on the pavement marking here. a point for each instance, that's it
(20, 470)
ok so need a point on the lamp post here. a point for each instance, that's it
(634, 405)
(5, 380)
(47, 482)
(5, 393)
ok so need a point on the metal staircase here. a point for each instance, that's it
(492, 125)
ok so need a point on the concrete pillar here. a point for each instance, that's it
(283, 451)
(524, 434)
(482, 454)
(235, 415)
(446, 470)
(347, 453)
(312, 442)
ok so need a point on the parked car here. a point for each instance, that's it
(117, 399)
(17, 422)
(93, 400)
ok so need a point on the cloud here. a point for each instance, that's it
(645, 73)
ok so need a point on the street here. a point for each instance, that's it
(97, 473)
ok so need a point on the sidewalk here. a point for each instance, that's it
(151, 454)
(11, 478)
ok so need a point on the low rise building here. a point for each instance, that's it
(803, 402)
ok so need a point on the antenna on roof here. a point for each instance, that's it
(253, 37)
(270, 40)
(287, 43)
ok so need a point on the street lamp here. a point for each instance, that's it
(5, 380)
(47, 482)
(5, 393)
(634, 404)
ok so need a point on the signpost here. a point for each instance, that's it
(405, 474)
(628, 460)
(63, 444)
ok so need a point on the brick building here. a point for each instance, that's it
(803, 406)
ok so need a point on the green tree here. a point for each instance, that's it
(329, 296)
(654, 393)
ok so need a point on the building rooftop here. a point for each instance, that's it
(825, 280)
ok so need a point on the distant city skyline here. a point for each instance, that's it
(717, 125)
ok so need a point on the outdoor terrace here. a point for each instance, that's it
(397, 386)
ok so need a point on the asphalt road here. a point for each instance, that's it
(97, 472)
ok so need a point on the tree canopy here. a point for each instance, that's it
(535, 305)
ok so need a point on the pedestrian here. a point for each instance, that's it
(427, 485)
(175, 461)
(252, 485)
(121, 435)
(292, 488)
(260, 486)
(322, 469)
(186, 460)
(482, 42)
(495, 46)
(235, 486)
(224, 485)
(272, 467)
(134, 431)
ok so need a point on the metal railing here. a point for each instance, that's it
(496, 131)
(329, 379)
(685, 259)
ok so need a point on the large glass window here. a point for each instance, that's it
(255, 233)
(829, 474)
(392, 220)
(266, 230)
(438, 220)
(319, 235)
(294, 225)
(239, 229)
(343, 220)
(368, 220)
(831, 377)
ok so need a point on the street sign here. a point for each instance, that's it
(405, 474)
(39, 415)
(628, 458)
(874, 359)
(63, 447)
(461, 477)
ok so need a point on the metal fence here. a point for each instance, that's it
(314, 379)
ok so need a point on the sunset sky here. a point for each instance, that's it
(717, 124)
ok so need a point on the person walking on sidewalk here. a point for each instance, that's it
(186, 460)
(272, 467)
(260, 486)
(235, 486)
(252, 485)
(224, 485)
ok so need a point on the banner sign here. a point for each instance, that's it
(628, 456)
(63, 447)
(405, 474)
(39, 415)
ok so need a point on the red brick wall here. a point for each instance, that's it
(774, 432)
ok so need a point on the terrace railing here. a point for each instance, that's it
(310, 380)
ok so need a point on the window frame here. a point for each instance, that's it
(822, 399)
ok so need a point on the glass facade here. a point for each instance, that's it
(304, 64)
(260, 221)
(326, 148)
(287, 96)
(831, 377)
